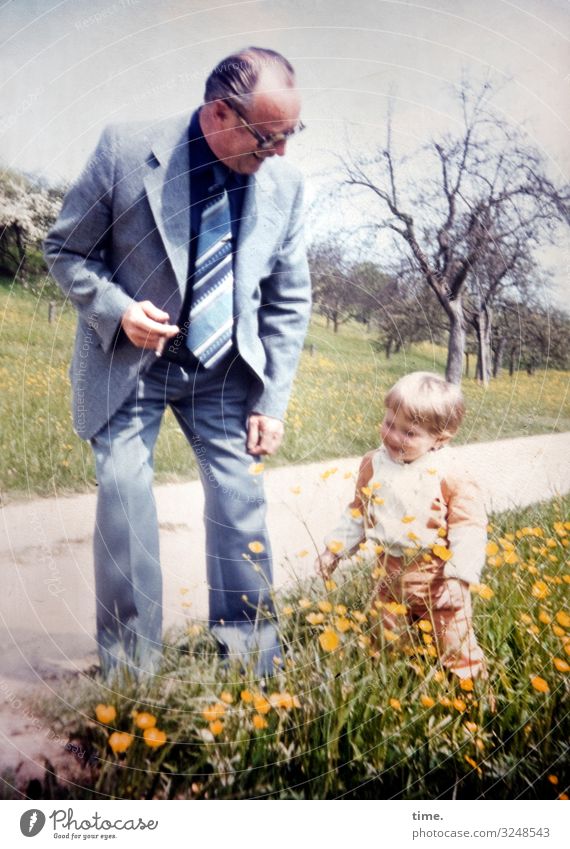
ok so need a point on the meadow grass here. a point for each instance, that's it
(334, 411)
(352, 713)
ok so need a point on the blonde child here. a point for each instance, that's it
(426, 516)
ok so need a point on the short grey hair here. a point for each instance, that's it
(236, 76)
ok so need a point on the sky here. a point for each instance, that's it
(70, 67)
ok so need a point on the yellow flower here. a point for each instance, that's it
(256, 547)
(485, 592)
(471, 726)
(390, 635)
(328, 473)
(396, 609)
(315, 618)
(427, 701)
(466, 685)
(544, 617)
(472, 763)
(216, 727)
(491, 549)
(284, 700)
(445, 701)
(287, 610)
(558, 631)
(304, 603)
(442, 552)
(561, 664)
(340, 609)
(377, 500)
(330, 585)
(335, 546)
(154, 737)
(407, 519)
(564, 796)
(540, 589)
(358, 616)
(213, 712)
(325, 606)
(302, 553)
(459, 705)
(246, 696)
(355, 513)
(261, 704)
(105, 713)
(145, 720)
(256, 468)
(540, 684)
(119, 741)
(553, 779)
(259, 722)
(296, 490)
(329, 640)
(226, 697)
(511, 557)
(425, 626)
(366, 490)
(563, 619)
(342, 624)
(395, 704)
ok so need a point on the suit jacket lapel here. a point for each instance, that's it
(168, 189)
(261, 221)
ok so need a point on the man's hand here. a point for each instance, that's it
(146, 326)
(326, 563)
(264, 434)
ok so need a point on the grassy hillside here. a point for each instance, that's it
(334, 411)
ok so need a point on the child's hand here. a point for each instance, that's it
(326, 563)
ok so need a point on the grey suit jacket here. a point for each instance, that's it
(123, 234)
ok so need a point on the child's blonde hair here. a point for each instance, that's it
(429, 399)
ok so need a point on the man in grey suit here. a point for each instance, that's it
(181, 247)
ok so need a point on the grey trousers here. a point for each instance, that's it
(210, 406)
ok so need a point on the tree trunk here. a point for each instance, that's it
(498, 357)
(456, 344)
(482, 326)
(388, 348)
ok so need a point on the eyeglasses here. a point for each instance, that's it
(267, 142)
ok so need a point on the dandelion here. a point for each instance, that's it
(485, 592)
(473, 763)
(466, 685)
(459, 705)
(425, 626)
(261, 704)
(356, 513)
(329, 640)
(544, 617)
(491, 549)
(246, 696)
(540, 684)
(407, 519)
(340, 609)
(540, 590)
(427, 701)
(389, 635)
(563, 619)
(326, 474)
(553, 779)
(226, 697)
(216, 727)
(315, 618)
(287, 610)
(330, 585)
(302, 553)
(119, 741)
(259, 722)
(558, 631)
(256, 468)
(325, 606)
(154, 737)
(471, 726)
(296, 490)
(105, 713)
(395, 704)
(442, 552)
(304, 603)
(285, 701)
(145, 720)
(256, 547)
(342, 624)
(564, 796)
(396, 608)
(377, 500)
(213, 712)
(560, 664)
(335, 546)
(366, 491)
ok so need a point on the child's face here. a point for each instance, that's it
(406, 440)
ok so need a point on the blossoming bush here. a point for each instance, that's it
(354, 711)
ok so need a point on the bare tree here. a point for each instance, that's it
(485, 189)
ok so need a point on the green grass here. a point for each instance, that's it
(334, 411)
(356, 721)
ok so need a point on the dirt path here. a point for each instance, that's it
(47, 607)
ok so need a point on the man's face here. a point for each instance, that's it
(404, 439)
(275, 108)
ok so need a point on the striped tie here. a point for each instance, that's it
(211, 312)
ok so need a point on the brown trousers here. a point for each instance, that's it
(443, 602)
